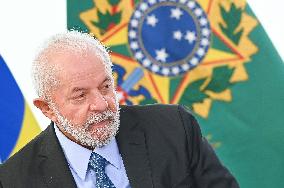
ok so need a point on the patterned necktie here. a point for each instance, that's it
(98, 164)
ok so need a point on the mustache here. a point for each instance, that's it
(100, 116)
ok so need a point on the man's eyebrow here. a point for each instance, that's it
(77, 89)
(107, 79)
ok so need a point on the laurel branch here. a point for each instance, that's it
(195, 92)
(108, 20)
(232, 19)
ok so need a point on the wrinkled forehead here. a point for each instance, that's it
(72, 63)
(77, 68)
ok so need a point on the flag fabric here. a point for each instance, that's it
(214, 57)
(18, 125)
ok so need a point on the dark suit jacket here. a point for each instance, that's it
(161, 146)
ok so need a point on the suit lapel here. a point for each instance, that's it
(52, 162)
(133, 148)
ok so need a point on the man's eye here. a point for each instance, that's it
(107, 86)
(79, 97)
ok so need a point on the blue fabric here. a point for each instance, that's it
(12, 108)
(98, 163)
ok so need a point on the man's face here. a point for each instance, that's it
(84, 103)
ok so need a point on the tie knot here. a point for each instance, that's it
(97, 161)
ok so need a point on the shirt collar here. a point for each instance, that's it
(111, 153)
(78, 156)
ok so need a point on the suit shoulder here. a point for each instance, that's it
(160, 116)
(156, 109)
(24, 155)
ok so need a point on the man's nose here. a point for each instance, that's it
(99, 103)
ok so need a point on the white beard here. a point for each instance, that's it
(95, 137)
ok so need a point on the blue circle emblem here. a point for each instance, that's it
(169, 37)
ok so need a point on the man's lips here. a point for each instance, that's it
(99, 125)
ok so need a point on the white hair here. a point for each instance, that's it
(75, 42)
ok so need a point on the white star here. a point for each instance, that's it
(203, 21)
(198, 12)
(137, 14)
(185, 67)
(134, 23)
(152, 20)
(138, 55)
(155, 68)
(165, 71)
(161, 55)
(134, 45)
(190, 36)
(177, 35)
(205, 32)
(146, 62)
(132, 34)
(176, 13)
(205, 42)
(175, 70)
(143, 6)
(191, 4)
(194, 61)
(200, 52)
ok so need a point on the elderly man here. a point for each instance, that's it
(157, 145)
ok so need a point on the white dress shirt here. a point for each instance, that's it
(78, 159)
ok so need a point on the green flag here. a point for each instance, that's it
(212, 56)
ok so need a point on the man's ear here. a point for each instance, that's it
(45, 109)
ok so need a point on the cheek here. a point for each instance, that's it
(111, 102)
(76, 115)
